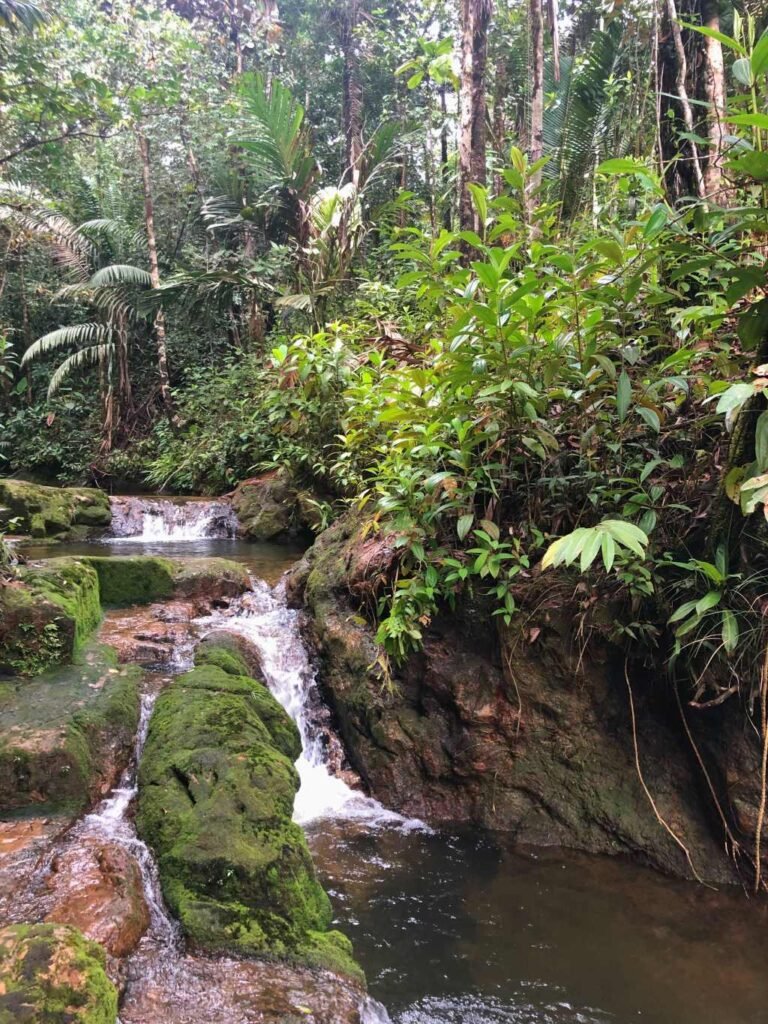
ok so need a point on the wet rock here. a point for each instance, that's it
(142, 579)
(541, 746)
(66, 735)
(153, 635)
(97, 887)
(193, 990)
(267, 506)
(50, 974)
(216, 791)
(231, 652)
(62, 512)
(46, 614)
(24, 845)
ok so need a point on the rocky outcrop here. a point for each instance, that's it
(140, 579)
(539, 743)
(46, 614)
(267, 507)
(216, 791)
(66, 735)
(57, 512)
(50, 973)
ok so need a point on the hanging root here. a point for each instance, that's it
(668, 828)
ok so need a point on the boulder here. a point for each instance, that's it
(267, 506)
(47, 612)
(216, 791)
(50, 974)
(96, 887)
(533, 736)
(66, 735)
(141, 579)
(58, 512)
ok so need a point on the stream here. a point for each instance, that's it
(449, 928)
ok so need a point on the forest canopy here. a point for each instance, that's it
(491, 273)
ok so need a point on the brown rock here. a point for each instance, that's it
(97, 888)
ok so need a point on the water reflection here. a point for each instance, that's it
(466, 930)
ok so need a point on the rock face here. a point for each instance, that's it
(46, 614)
(541, 747)
(267, 507)
(216, 790)
(60, 512)
(50, 974)
(66, 735)
(140, 579)
(97, 888)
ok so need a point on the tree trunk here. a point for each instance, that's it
(154, 272)
(444, 169)
(499, 121)
(352, 110)
(536, 139)
(714, 94)
(681, 72)
(475, 16)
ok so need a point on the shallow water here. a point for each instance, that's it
(466, 930)
(267, 561)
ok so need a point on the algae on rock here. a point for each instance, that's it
(53, 511)
(50, 974)
(216, 792)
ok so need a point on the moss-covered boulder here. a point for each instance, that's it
(141, 579)
(46, 614)
(50, 974)
(53, 511)
(216, 791)
(267, 507)
(66, 735)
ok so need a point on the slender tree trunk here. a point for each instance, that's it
(681, 74)
(499, 121)
(714, 93)
(536, 139)
(554, 32)
(154, 272)
(444, 170)
(475, 16)
(352, 112)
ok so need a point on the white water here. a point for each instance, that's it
(152, 520)
(263, 618)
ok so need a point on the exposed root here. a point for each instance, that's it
(668, 828)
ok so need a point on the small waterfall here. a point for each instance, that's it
(111, 820)
(263, 617)
(148, 520)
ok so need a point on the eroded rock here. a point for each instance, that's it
(61, 512)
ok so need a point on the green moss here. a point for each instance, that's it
(51, 974)
(133, 579)
(64, 735)
(53, 511)
(217, 786)
(46, 615)
(333, 952)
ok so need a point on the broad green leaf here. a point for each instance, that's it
(704, 30)
(682, 612)
(609, 248)
(608, 546)
(760, 55)
(622, 165)
(590, 550)
(752, 164)
(761, 442)
(480, 202)
(745, 279)
(735, 397)
(626, 534)
(730, 631)
(623, 395)
(753, 325)
(742, 72)
(651, 418)
(490, 528)
(657, 221)
(464, 524)
(710, 600)
(750, 120)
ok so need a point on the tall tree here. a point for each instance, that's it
(352, 99)
(715, 97)
(475, 18)
(536, 137)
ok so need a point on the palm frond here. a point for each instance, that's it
(92, 355)
(21, 14)
(121, 274)
(78, 334)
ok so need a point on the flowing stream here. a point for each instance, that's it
(450, 929)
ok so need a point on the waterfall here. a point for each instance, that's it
(147, 520)
(263, 617)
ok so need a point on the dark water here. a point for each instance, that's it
(466, 930)
(268, 561)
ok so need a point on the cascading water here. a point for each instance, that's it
(263, 618)
(152, 520)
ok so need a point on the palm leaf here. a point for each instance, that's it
(18, 14)
(78, 334)
(121, 274)
(91, 355)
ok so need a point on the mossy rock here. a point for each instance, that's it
(66, 735)
(216, 792)
(46, 615)
(53, 511)
(133, 579)
(267, 506)
(142, 579)
(51, 974)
